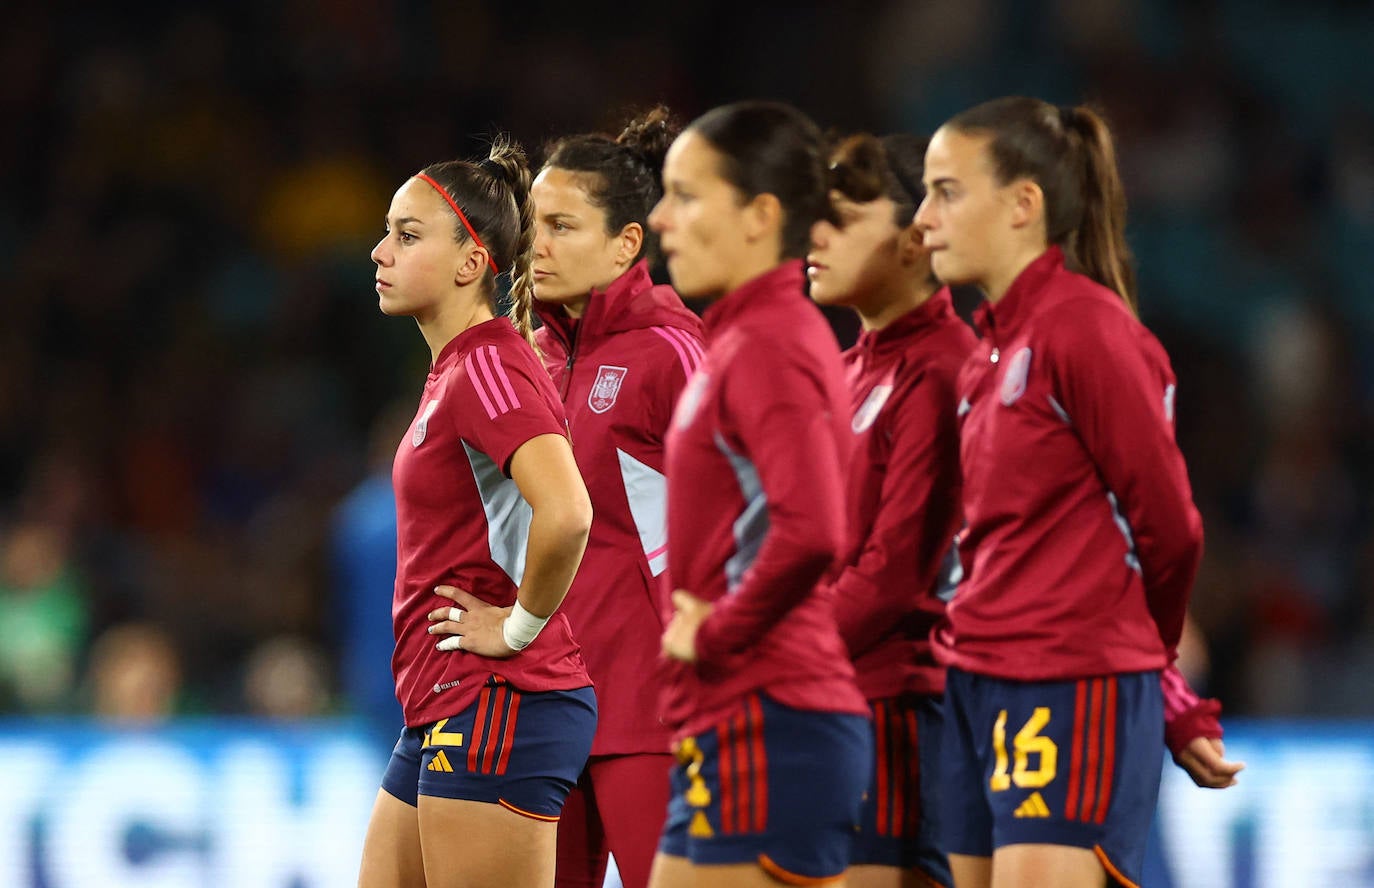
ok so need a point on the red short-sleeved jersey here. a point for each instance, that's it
(460, 519)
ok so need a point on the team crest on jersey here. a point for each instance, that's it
(422, 424)
(606, 388)
(868, 411)
(690, 400)
(1014, 380)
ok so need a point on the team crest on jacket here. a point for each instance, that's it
(422, 424)
(1014, 380)
(868, 411)
(606, 388)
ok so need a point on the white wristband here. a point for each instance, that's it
(521, 627)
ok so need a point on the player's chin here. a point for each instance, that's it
(391, 307)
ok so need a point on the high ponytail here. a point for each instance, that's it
(623, 175)
(509, 158)
(1100, 239)
(1069, 153)
(494, 196)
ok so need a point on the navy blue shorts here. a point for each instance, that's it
(523, 751)
(1056, 762)
(771, 785)
(899, 826)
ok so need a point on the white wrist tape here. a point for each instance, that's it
(521, 627)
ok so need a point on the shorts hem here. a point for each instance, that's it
(545, 818)
(788, 877)
(1111, 868)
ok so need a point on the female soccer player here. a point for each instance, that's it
(903, 488)
(492, 514)
(619, 350)
(1082, 539)
(772, 741)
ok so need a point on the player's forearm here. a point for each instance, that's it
(558, 537)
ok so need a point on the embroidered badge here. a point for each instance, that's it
(606, 388)
(868, 411)
(1014, 379)
(422, 424)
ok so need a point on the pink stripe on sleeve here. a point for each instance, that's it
(477, 386)
(657, 552)
(484, 362)
(693, 347)
(687, 366)
(505, 380)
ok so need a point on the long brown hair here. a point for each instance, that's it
(1069, 153)
(494, 194)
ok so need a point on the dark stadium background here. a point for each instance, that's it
(192, 365)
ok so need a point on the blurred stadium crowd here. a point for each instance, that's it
(199, 399)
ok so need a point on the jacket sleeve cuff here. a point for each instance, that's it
(1202, 719)
(711, 650)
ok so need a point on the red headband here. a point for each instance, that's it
(462, 217)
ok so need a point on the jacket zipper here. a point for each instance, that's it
(568, 365)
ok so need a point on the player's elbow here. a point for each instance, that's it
(569, 517)
(817, 550)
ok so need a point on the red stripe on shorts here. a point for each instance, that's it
(760, 768)
(493, 735)
(744, 775)
(880, 754)
(727, 781)
(911, 828)
(1104, 794)
(508, 738)
(1092, 766)
(478, 727)
(1076, 758)
(899, 749)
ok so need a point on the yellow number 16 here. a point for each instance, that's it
(1028, 741)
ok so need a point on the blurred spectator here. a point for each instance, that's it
(42, 620)
(363, 562)
(287, 677)
(134, 675)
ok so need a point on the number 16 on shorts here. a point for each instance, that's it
(1063, 749)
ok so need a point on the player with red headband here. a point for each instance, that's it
(1082, 540)
(492, 520)
(619, 350)
(903, 488)
(771, 732)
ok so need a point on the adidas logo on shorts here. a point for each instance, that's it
(1034, 806)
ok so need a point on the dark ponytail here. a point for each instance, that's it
(1069, 153)
(623, 175)
(1099, 241)
(494, 194)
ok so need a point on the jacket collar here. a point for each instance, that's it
(914, 324)
(1002, 319)
(778, 286)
